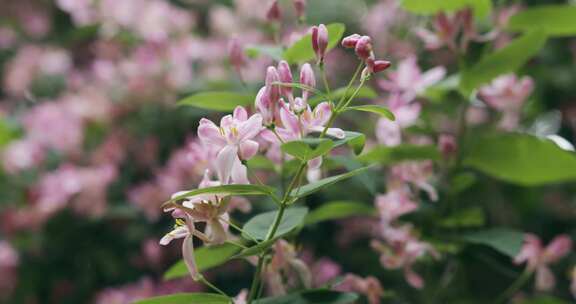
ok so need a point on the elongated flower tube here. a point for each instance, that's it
(320, 41)
(285, 76)
(307, 78)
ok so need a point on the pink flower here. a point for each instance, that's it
(369, 286)
(274, 13)
(418, 174)
(394, 204)
(22, 155)
(320, 41)
(286, 264)
(409, 81)
(234, 140)
(538, 258)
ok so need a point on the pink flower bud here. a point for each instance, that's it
(273, 90)
(364, 47)
(265, 107)
(274, 13)
(300, 8)
(380, 65)
(307, 78)
(444, 26)
(447, 145)
(285, 77)
(236, 53)
(320, 41)
(350, 41)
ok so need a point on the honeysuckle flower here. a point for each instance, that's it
(285, 75)
(234, 139)
(309, 121)
(539, 258)
(363, 47)
(307, 78)
(507, 94)
(273, 90)
(266, 107)
(320, 41)
(286, 264)
(409, 81)
(368, 286)
(418, 174)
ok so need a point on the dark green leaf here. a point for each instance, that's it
(187, 298)
(218, 101)
(256, 249)
(364, 92)
(367, 179)
(380, 110)
(258, 226)
(389, 155)
(543, 300)
(319, 185)
(338, 210)
(318, 296)
(470, 217)
(354, 140)
(301, 50)
(555, 20)
(206, 257)
(430, 7)
(504, 240)
(505, 60)
(307, 149)
(522, 159)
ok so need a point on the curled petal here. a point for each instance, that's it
(289, 120)
(224, 163)
(216, 231)
(239, 173)
(558, 248)
(188, 256)
(248, 149)
(209, 133)
(322, 114)
(332, 132)
(388, 132)
(177, 233)
(414, 279)
(240, 113)
(250, 127)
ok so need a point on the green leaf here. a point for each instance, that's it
(308, 148)
(301, 51)
(258, 226)
(317, 296)
(217, 101)
(364, 92)
(521, 159)
(260, 162)
(504, 240)
(470, 217)
(505, 60)
(319, 185)
(543, 300)
(226, 190)
(187, 298)
(430, 7)
(389, 155)
(366, 179)
(354, 140)
(380, 110)
(256, 249)
(555, 20)
(255, 50)
(337, 210)
(206, 257)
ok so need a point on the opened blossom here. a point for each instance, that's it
(234, 140)
(538, 258)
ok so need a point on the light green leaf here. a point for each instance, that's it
(504, 240)
(226, 190)
(505, 60)
(354, 140)
(364, 92)
(217, 101)
(255, 50)
(389, 155)
(482, 8)
(317, 296)
(187, 298)
(258, 226)
(206, 257)
(323, 183)
(301, 51)
(555, 20)
(380, 110)
(308, 148)
(521, 159)
(337, 210)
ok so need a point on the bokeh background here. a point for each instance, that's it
(92, 141)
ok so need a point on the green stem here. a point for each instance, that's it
(358, 69)
(326, 86)
(358, 88)
(205, 282)
(515, 286)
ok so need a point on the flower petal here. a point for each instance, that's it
(248, 149)
(209, 133)
(224, 163)
(250, 128)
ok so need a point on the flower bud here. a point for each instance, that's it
(274, 13)
(300, 8)
(350, 41)
(447, 145)
(299, 105)
(320, 41)
(273, 90)
(445, 26)
(363, 47)
(307, 78)
(380, 65)
(236, 54)
(265, 107)
(285, 77)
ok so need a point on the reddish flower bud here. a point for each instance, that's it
(364, 47)
(320, 41)
(447, 145)
(300, 8)
(350, 41)
(272, 90)
(274, 13)
(445, 26)
(236, 53)
(285, 77)
(380, 65)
